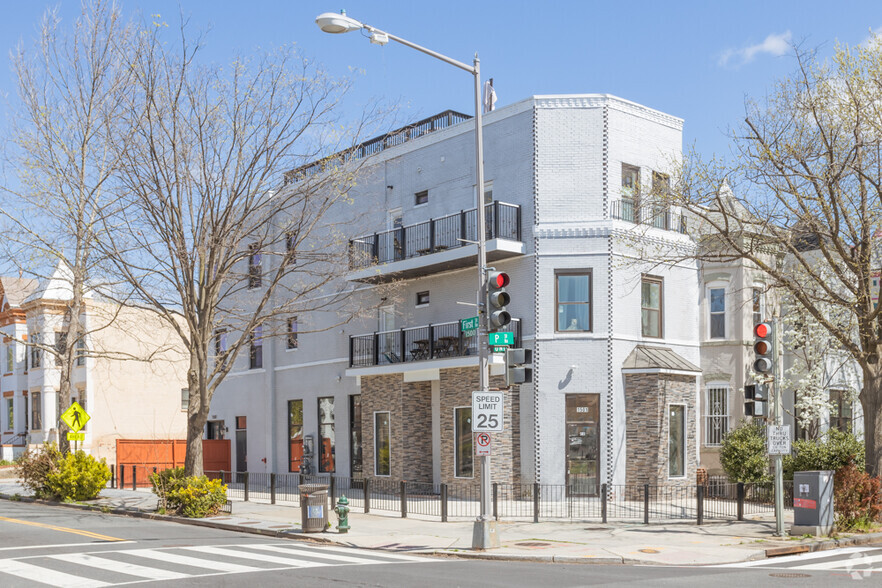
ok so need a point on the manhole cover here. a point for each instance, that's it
(790, 575)
(532, 544)
(648, 551)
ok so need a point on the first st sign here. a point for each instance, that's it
(487, 412)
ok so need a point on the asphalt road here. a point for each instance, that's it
(57, 546)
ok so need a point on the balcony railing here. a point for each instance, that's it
(444, 120)
(438, 234)
(654, 215)
(437, 341)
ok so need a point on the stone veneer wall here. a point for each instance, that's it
(410, 424)
(647, 397)
(457, 386)
(410, 408)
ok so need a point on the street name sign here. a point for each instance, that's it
(469, 326)
(779, 439)
(487, 412)
(75, 417)
(501, 338)
(483, 444)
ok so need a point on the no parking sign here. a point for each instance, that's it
(482, 444)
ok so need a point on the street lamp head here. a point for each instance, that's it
(331, 22)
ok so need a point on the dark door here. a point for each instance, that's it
(583, 447)
(355, 465)
(241, 447)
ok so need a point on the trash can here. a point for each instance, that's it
(314, 507)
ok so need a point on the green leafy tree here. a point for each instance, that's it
(833, 451)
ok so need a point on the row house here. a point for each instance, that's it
(129, 374)
(617, 388)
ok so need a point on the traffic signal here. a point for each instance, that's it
(516, 370)
(756, 398)
(498, 316)
(763, 336)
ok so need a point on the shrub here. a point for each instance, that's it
(857, 498)
(833, 451)
(79, 476)
(191, 496)
(743, 454)
(34, 466)
(199, 497)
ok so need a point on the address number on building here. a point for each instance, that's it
(487, 412)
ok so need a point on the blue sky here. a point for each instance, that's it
(693, 59)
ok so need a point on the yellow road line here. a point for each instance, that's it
(63, 529)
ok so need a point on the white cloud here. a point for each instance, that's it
(776, 45)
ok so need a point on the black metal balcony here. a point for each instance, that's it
(436, 341)
(651, 214)
(438, 234)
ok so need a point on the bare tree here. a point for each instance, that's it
(227, 235)
(70, 86)
(805, 204)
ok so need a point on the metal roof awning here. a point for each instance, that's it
(653, 359)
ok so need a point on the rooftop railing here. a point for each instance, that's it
(434, 341)
(444, 120)
(437, 234)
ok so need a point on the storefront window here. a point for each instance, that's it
(382, 444)
(295, 435)
(676, 440)
(463, 436)
(327, 446)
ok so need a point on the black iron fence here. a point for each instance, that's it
(651, 214)
(438, 234)
(421, 343)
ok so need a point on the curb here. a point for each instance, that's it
(569, 559)
(837, 543)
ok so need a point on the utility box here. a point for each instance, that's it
(812, 503)
(314, 507)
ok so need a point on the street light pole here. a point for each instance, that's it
(484, 535)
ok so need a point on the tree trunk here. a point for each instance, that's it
(197, 415)
(871, 402)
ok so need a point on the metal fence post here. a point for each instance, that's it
(645, 504)
(403, 499)
(443, 503)
(535, 502)
(122, 477)
(700, 496)
(603, 503)
(272, 488)
(496, 500)
(245, 484)
(112, 474)
(332, 489)
(740, 488)
(367, 495)
(134, 478)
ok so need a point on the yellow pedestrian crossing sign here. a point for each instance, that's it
(75, 417)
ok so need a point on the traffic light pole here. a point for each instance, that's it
(484, 534)
(779, 420)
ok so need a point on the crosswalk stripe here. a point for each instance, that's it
(332, 556)
(383, 554)
(285, 561)
(111, 565)
(855, 562)
(218, 566)
(793, 558)
(47, 576)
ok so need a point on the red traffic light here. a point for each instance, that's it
(762, 330)
(498, 279)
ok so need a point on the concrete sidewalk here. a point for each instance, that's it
(680, 543)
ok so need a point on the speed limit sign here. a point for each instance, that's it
(487, 412)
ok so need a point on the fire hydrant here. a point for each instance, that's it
(342, 510)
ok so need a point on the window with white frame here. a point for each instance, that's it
(255, 269)
(841, 411)
(717, 305)
(651, 306)
(291, 341)
(10, 415)
(462, 431)
(255, 357)
(759, 306)
(36, 352)
(676, 441)
(716, 414)
(382, 444)
(10, 357)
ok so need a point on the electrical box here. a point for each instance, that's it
(812, 503)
